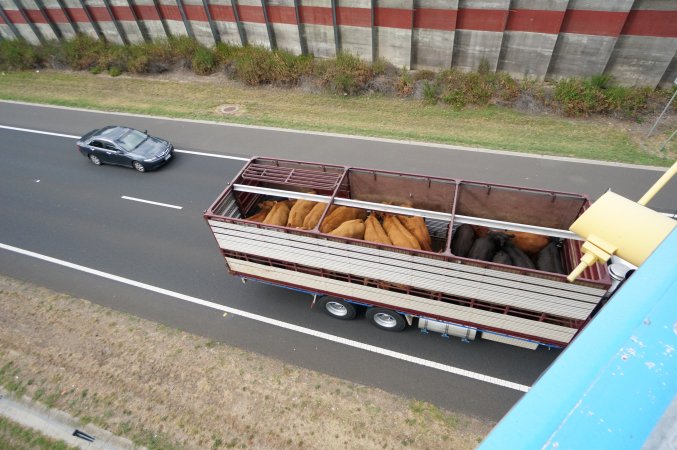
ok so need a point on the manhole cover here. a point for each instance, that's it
(228, 109)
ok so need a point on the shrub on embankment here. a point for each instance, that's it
(344, 75)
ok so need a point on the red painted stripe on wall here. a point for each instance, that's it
(100, 13)
(77, 14)
(170, 12)
(123, 13)
(535, 21)
(393, 18)
(223, 13)
(651, 23)
(316, 15)
(35, 16)
(282, 14)
(195, 12)
(56, 15)
(14, 16)
(435, 19)
(481, 19)
(146, 12)
(354, 17)
(251, 14)
(598, 23)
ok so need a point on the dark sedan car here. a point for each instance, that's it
(124, 146)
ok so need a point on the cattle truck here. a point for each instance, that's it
(401, 287)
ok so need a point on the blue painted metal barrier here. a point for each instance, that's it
(611, 386)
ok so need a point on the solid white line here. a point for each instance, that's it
(190, 152)
(275, 322)
(363, 138)
(167, 205)
(48, 133)
(213, 155)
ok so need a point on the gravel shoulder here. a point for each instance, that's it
(164, 388)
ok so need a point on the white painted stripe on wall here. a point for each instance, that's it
(274, 322)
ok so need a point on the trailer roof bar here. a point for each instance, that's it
(554, 232)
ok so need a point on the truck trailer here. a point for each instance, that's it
(398, 287)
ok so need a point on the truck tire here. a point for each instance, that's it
(337, 308)
(386, 319)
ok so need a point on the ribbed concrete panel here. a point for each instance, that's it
(318, 28)
(99, 12)
(170, 12)
(149, 17)
(394, 21)
(253, 21)
(18, 22)
(641, 60)
(354, 21)
(282, 16)
(589, 32)
(670, 75)
(197, 17)
(530, 37)
(224, 20)
(39, 19)
(647, 44)
(432, 43)
(59, 18)
(126, 20)
(79, 18)
(479, 33)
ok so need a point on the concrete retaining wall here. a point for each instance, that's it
(635, 41)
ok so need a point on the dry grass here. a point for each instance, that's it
(188, 96)
(164, 388)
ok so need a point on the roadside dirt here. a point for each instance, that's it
(163, 388)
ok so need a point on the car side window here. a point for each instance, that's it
(96, 144)
(109, 146)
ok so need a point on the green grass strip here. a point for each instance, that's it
(198, 98)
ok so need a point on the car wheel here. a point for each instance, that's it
(94, 159)
(139, 167)
(338, 308)
(386, 319)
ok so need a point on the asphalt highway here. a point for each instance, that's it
(55, 203)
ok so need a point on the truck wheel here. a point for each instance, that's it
(337, 308)
(386, 319)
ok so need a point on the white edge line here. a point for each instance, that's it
(364, 138)
(167, 205)
(70, 136)
(275, 322)
(28, 130)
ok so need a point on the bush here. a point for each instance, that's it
(347, 74)
(404, 84)
(18, 55)
(597, 96)
(83, 52)
(430, 93)
(258, 66)
(204, 61)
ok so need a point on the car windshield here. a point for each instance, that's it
(132, 139)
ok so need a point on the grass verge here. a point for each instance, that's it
(17, 437)
(166, 389)
(193, 97)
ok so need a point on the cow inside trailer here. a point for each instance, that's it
(500, 300)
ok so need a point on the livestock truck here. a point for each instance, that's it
(398, 287)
